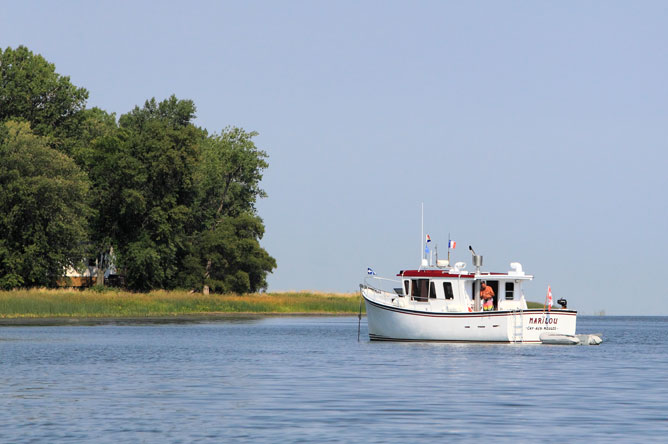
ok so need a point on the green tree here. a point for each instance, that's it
(226, 254)
(43, 209)
(31, 89)
(229, 258)
(88, 151)
(143, 180)
(176, 205)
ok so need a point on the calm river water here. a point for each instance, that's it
(307, 379)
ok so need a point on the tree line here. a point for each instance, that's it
(175, 204)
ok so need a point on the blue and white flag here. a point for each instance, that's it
(370, 271)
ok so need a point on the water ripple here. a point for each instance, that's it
(309, 380)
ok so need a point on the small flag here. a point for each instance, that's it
(549, 298)
(428, 239)
(370, 271)
(452, 244)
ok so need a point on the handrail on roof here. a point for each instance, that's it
(377, 289)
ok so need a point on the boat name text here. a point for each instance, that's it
(544, 321)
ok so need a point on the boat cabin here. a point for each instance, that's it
(454, 289)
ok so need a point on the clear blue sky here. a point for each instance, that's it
(534, 131)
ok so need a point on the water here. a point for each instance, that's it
(309, 380)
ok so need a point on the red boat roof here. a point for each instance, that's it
(443, 274)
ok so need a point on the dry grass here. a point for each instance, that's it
(36, 303)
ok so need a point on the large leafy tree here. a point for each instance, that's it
(226, 254)
(142, 175)
(43, 209)
(31, 89)
(96, 151)
(177, 206)
(228, 257)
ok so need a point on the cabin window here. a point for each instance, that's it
(420, 289)
(407, 287)
(447, 290)
(432, 290)
(510, 289)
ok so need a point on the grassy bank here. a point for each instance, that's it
(109, 304)
(70, 304)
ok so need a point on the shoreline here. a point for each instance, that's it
(87, 307)
(160, 319)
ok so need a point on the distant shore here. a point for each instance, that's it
(90, 307)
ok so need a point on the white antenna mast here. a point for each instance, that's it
(421, 234)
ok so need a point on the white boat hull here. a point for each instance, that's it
(387, 320)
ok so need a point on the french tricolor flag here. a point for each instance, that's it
(452, 244)
(428, 239)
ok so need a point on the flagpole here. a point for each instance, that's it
(448, 248)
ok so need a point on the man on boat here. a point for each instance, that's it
(487, 295)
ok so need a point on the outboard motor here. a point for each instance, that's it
(563, 302)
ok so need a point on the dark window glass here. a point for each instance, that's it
(510, 288)
(432, 291)
(407, 286)
(447, 290)
(420, 289)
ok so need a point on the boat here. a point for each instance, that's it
(440, 302)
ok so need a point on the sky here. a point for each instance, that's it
(536, 132)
